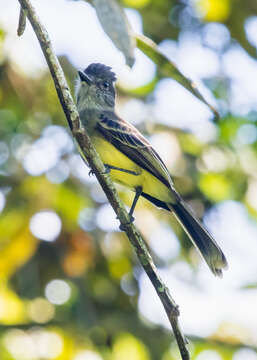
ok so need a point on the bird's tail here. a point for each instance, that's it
(200, 237)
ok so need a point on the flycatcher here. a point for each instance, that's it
(133, 162)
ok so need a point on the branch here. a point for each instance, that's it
(22, 22)
(98, 168)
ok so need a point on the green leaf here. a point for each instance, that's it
(229, 127)
(127, 346)
(117, 27)
(216, 187)
(69, 203)
(141, 91)
(168, 68)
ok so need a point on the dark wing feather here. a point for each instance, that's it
(131, 143)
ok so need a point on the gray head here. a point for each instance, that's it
(96, 87)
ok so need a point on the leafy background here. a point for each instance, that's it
(71, 286)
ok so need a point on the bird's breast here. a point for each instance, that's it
(112, 156)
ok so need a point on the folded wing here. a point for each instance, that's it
(131, 143)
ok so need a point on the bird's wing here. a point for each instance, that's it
(131, 143)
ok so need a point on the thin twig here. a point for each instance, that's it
(22, 22)
(97, 166)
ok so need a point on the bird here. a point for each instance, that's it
(132, 161)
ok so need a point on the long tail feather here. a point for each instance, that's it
(200, 237)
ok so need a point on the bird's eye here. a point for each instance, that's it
(106, 85)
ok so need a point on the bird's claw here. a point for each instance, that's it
(106, 170)
(123, 226)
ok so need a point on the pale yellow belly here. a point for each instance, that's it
(149, 183)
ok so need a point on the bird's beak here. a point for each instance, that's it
(84, 77)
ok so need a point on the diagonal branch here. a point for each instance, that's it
(22, 22)
(98, 168)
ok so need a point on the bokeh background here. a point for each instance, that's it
(71, 287)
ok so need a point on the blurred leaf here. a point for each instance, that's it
(231, 333)
(63, 198)
(116, 26)
(141, 91)
(11, 223)
(138, 4)
(103, 289)
(168, 68)
(214, 10)
(129, 347)
(16, 252)
(69, 203)
(2, 37)
(216, 187)
(250, 286)
(234, 16)
(80, 254)
(190, 144)
(236, 23)
(228, 128)
(119, 266)
(12, 308)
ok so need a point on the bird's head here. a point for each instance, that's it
(96, 87)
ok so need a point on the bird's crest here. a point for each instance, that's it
(100, 71)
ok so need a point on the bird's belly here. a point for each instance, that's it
(149, 183)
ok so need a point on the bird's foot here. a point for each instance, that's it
(107, 170)
(123, 226)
